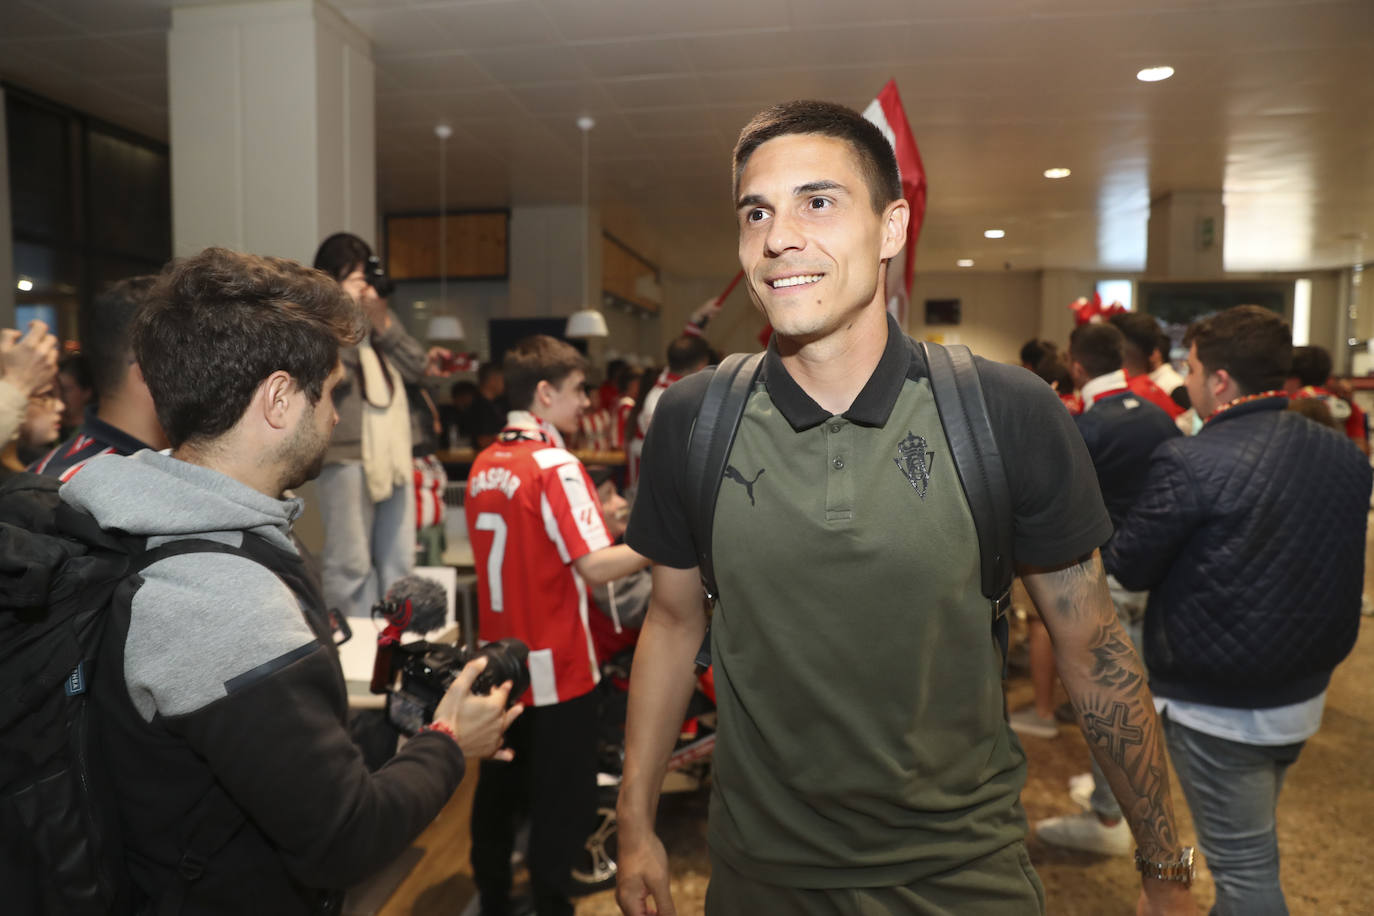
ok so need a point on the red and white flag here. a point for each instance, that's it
(886, 112)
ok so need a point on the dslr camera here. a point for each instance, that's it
(429, 669)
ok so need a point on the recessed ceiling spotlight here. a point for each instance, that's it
(1057, 173)
(965, 262)
(1154, 74)
(994, 233)
(24, 285)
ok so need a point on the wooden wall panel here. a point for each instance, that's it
(476, 243)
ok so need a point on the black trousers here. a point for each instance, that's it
(552, 781)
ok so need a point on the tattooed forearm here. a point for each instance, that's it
(1107, 685)
(1075, 587)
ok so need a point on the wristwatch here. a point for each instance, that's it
(1180, 869)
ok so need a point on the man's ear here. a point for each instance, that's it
(275, 396)
(1223, 386)
(896, 219)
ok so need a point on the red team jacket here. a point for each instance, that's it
(531, 511)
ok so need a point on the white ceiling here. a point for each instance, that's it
(1273, 103)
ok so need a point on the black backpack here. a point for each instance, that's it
(60, 850)
(964, 415)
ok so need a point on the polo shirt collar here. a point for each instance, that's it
(873, 405)
(112, 436)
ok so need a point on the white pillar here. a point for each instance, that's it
(272, 128)
(1187, 232)
(548, 277)
(6, 231)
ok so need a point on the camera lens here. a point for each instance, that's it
(507, 660)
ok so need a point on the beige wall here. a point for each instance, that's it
(999, 311)
(734, 330)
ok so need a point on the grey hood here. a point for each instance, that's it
(155, 495)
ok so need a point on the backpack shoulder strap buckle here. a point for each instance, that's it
(1001, 604)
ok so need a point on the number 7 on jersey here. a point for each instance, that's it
(490, 521)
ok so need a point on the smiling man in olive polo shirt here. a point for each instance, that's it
(863, 763)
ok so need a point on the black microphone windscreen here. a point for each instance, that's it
(428, 602)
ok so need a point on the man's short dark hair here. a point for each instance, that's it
(341, 254)
(462, 387)
(1164, 345)
(877, 161)
(1034, 350)
(218, 323)
(534, 359)
(1141, 332)
(688, 354)
(1097, 347)
(1253, 345)
(486, 371)
(78, 366)
(1311, 365)
(1055, 371)
(107, 332)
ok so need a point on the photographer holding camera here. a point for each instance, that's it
(221, 703)
(365, 486)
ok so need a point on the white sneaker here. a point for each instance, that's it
(1087, 833)
(1081, 790)
(1026, 722)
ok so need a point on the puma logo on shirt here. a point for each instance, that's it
(731, 473)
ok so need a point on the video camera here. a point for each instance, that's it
(428, 669)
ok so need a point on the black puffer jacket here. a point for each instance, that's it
(1250, 537)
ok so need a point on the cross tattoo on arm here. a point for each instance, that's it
(1113, 734)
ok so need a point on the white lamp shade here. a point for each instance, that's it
(587, 323)
(445, 327)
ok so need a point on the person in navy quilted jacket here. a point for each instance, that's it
(1250, 537)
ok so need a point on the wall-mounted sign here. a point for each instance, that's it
(942, 311)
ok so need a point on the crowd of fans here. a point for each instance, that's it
(1239, 657)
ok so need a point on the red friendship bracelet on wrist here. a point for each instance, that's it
(442, 728)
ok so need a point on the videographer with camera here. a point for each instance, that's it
(538, 540)
(221, 704)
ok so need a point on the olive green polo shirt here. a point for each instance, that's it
(861, 733)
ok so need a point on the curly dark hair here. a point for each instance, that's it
(877, 160)
(218, 323)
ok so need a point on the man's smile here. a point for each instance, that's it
(794, 280)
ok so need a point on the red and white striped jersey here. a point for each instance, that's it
(531, 511)
(430, 481)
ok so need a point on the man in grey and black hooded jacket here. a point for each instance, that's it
(225, 693)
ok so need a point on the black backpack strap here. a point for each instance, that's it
(215, 820)
(964, 415)
(708, 450)
(142, 561)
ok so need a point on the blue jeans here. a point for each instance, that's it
(1233, 791)
(367, 545)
